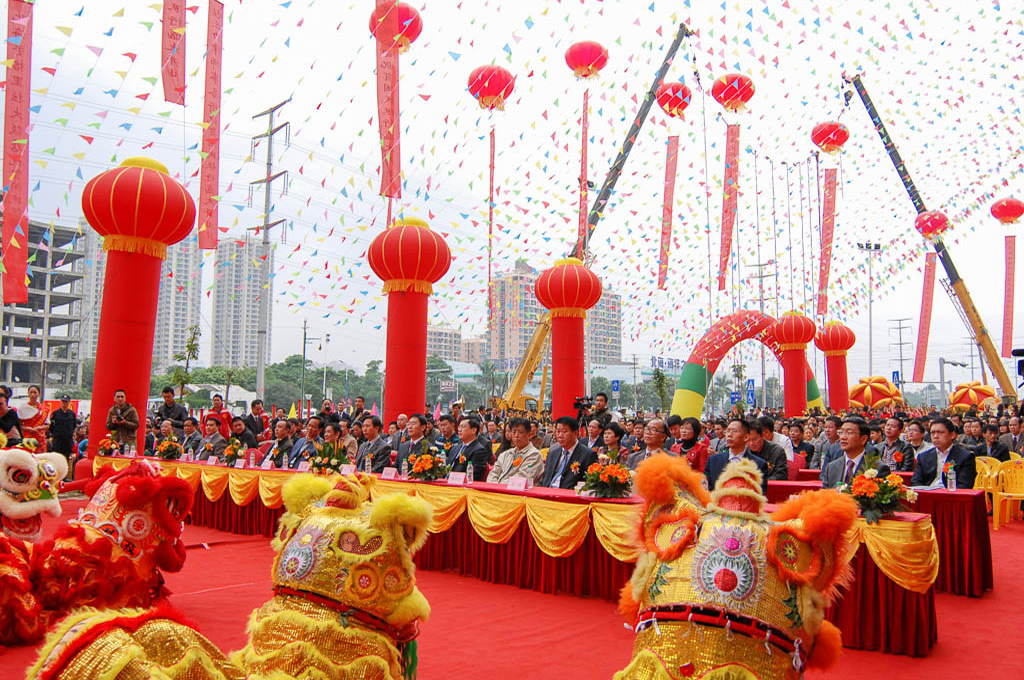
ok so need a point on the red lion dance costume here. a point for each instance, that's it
(722, 591)
(109, 557)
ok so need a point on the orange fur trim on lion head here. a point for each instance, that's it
(658, 477)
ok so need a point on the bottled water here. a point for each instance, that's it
(951, 479)
(367, 465)
(469, 473)
(405, 468)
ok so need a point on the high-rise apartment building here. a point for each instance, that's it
(237, 291)
(177, 306)
(40, 339)
(517, 311)
(444, 343)
(475, 350)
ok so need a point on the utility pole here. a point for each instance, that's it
(760, 276)
(268, 179)
(302, 372)
(899, 345)
(871, 249)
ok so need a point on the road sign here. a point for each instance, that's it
(750, 397)
(447, 385)
(734, 397)
(896, 378)
(750, 384)
(615, 387)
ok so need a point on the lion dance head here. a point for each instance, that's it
(29, 483)
(722, 591)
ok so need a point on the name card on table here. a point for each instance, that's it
(304, 466)
(517, 484)
(240, 463)
(212, 460)
(267, 464)
(186, 458)
(456, 478)
(389, 473)
(348, 469)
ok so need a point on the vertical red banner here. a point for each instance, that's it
(730, 195)
(666, 210)
(209, 178)
(490, 239)
(1011, 266)
(582, 235)
(828, 223)
(388, 103)
(172, 51)
(925, 323)
(16, 126)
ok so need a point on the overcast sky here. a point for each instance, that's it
(946, 81)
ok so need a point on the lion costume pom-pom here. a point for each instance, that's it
(720, 590)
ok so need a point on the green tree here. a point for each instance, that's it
(488, 377)
(721, 387)
(660, 381)
(198, 399)
(88, 372)
(181, 375)
(438, 370)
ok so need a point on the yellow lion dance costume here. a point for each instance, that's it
(345, 603)
(721, 590)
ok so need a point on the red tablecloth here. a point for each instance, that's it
(808, 475)
(960, 519)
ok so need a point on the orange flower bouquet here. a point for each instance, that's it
(107, 446)
(170, 449)
(877, 496)
(427, 467)
(233, 451)
(609, 480)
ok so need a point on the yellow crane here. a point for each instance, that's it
(535, 351)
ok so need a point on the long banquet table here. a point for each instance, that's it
(960, 519)
(581, 546)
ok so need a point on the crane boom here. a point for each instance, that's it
(963, 297)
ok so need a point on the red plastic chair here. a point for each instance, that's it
(798, 463)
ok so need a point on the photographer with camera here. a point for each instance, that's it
(601, 412)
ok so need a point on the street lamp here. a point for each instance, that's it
(943, 362)
(870, 249)
(302, 374)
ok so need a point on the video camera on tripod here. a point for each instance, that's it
(582, 405)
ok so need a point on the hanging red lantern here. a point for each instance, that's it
(931, 223)
(1008, 210)
(586, 58)
(673, 98)
(491, 85)
(402, 21)
(830, 136)
(733, 91)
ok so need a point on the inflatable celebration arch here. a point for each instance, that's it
(692, 388)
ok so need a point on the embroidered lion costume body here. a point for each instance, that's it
(111, 555)
(345, 603)
(721, 590)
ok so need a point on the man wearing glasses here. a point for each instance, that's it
(655, 434)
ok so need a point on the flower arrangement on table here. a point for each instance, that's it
(169, 449)
(877, 496)
(607, 480)
(329, 458)
(428, 466)
(108, 447)
(233, 452)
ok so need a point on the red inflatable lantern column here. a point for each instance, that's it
(835, 340)
(409, 258)
(139, 211)
(793, 332)
(568, 290)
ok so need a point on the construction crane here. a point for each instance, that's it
(535, 349)
(962, 297)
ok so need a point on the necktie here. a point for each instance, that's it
(850, 465)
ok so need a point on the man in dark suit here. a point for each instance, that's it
(415, 442)
(213, 444)
(470, 449)
(992, 447)
(772, 454)
(736, 435)
(282, 445)
(567, 461)
(375, 446)
(191, 440)
(931, 464)
(304, 448)
(255, 420)
(853, 440)
(893, 448)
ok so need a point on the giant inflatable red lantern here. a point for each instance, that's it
(396, 24)
(830, 137)
(567, 290)
(793, 332)
(1008, 211)
(732, 91)
(673, 98)
(139, 210)
(491, 86)
(835, 340)
(409, 258)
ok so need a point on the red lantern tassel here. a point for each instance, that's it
(1011, 266)
(388, 105)
(15, 167)
(490, 239)
(582, 236)
(828, 222)
(730, 193)
(666, 211)
(209, 177)
(926, 317)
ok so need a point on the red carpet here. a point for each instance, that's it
(480, 630)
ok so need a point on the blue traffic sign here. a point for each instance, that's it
(734, 397)
(615, 386)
